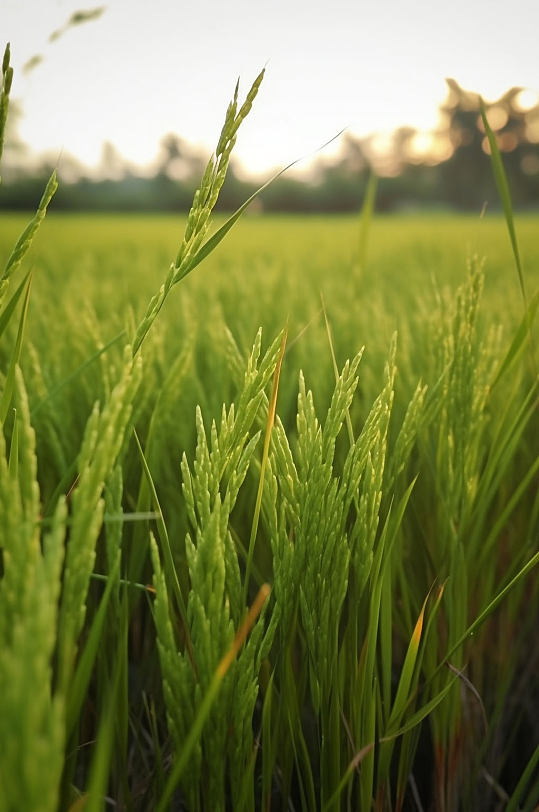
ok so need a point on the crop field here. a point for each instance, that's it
(268, 525)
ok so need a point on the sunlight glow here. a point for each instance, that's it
(497, 118)
(527, 99)
(128, 76)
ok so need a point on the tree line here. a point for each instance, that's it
(451, 171)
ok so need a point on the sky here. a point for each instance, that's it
(144, 68)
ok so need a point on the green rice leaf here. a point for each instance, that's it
(212, 243)
(7, 79)
(78, 687)
(25, 240)
(491, 606)
(520, 340)
(170, 568)
(420, 714)
(505, 195)
(76, 373)
(101, 762)
(8, 310)
(524, 793)
(9, 384)
(14, 449)
(405, 681)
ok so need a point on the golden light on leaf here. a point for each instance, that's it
(507, 142)
(497, 118)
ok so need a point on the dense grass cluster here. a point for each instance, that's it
(239, 571)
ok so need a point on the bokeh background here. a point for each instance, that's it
(127, 101)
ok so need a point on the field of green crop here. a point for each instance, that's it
(269, 541)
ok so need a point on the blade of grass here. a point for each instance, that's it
(78, 687)
(533, 794)
(221, 232)
(7, 312)
(420, 714)
(9, 384)
(165, 545)
(269, 743)
(7, 79)
(405, 681)
(101, 762)
(13, 462)
(136, 516)
(385, 633)
(353, 765)
(336, 368)
(473, 690)
(210, 697)
(25, 240)
(98, 576)
(304, 771)
(512, 502)
(518, 343)
(269, 425)
(491, 606)
(242, 552)
(110, 518)
(405, 689)
(63, 383)
(505, 195)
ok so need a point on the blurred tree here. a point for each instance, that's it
(455, 173)
(178, 159)
(112, 164)
(15, 148)
(466, 177)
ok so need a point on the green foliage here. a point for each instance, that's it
(213, 604)
(100, 447)
(32, 716)
(389, 501)
(192, 249)
(7, 79)
(32, 712)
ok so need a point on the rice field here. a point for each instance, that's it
(268, 525)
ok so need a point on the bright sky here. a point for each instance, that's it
(148, 67)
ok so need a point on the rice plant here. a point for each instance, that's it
(239, 571)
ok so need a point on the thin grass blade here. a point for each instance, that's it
(210, 697)
(523, 792)
(25, 240)
(8, 310)
(7, 79)
(9, 384)
(269, 425)
(78, 687)
(505, 195)
(162, 532)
